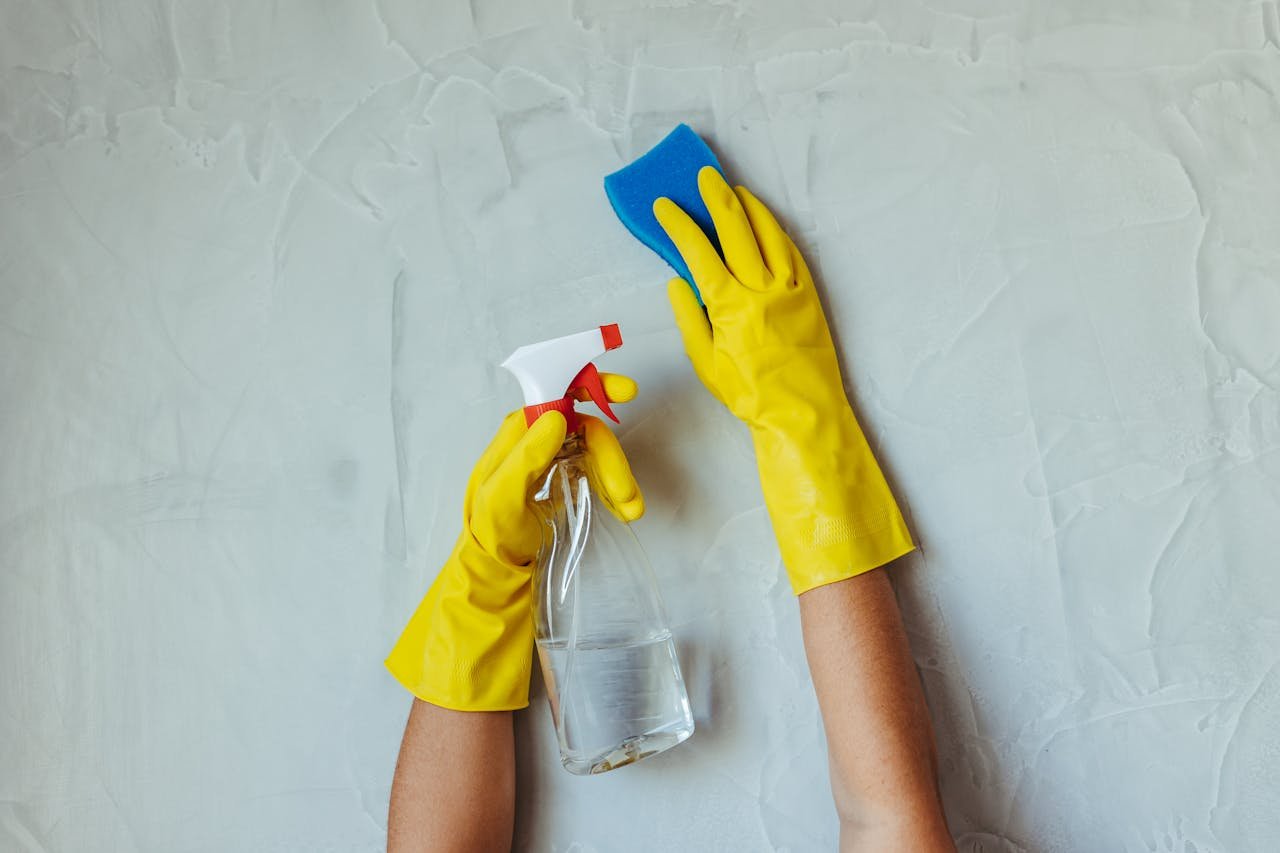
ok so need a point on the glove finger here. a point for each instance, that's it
(708, 270)
(629, 511)
(772, 240)
(611, 469)
(737, 239)
(618, 388)
(508, 434)
(503, 496)
(695, 331)
(803, 276)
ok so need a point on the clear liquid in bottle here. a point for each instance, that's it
(608, 658)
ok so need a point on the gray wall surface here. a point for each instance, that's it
(258, 264)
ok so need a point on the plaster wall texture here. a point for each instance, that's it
(258, 263)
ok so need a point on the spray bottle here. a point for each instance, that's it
(607, 655)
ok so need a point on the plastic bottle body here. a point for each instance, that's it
(608, 658)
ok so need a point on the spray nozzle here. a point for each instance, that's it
(551, 372)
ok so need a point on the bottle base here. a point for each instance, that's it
(629, 751)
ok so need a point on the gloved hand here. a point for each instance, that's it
(767, 354)
(469, 645)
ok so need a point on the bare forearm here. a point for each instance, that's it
(454, 788)
(882, 754)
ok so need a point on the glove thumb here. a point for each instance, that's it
(695, 330)
(501, 519)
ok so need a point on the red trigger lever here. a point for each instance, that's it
(588, 379)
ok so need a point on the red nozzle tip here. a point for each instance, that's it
(612, 337)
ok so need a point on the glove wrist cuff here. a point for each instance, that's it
(469, 645)
(831, 508)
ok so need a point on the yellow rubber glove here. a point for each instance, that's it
(767, 354)
(469, 645)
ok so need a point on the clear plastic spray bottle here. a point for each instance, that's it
(607, 654)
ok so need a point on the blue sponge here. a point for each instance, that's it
(668, 169)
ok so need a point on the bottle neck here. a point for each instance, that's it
(568, 466)
(574, 445)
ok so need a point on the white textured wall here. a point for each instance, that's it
(257, 263)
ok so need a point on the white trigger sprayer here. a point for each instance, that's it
(549, 372)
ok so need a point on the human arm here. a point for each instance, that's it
(454, 789)
(763, 348)
(880, 745)
(467, 651)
